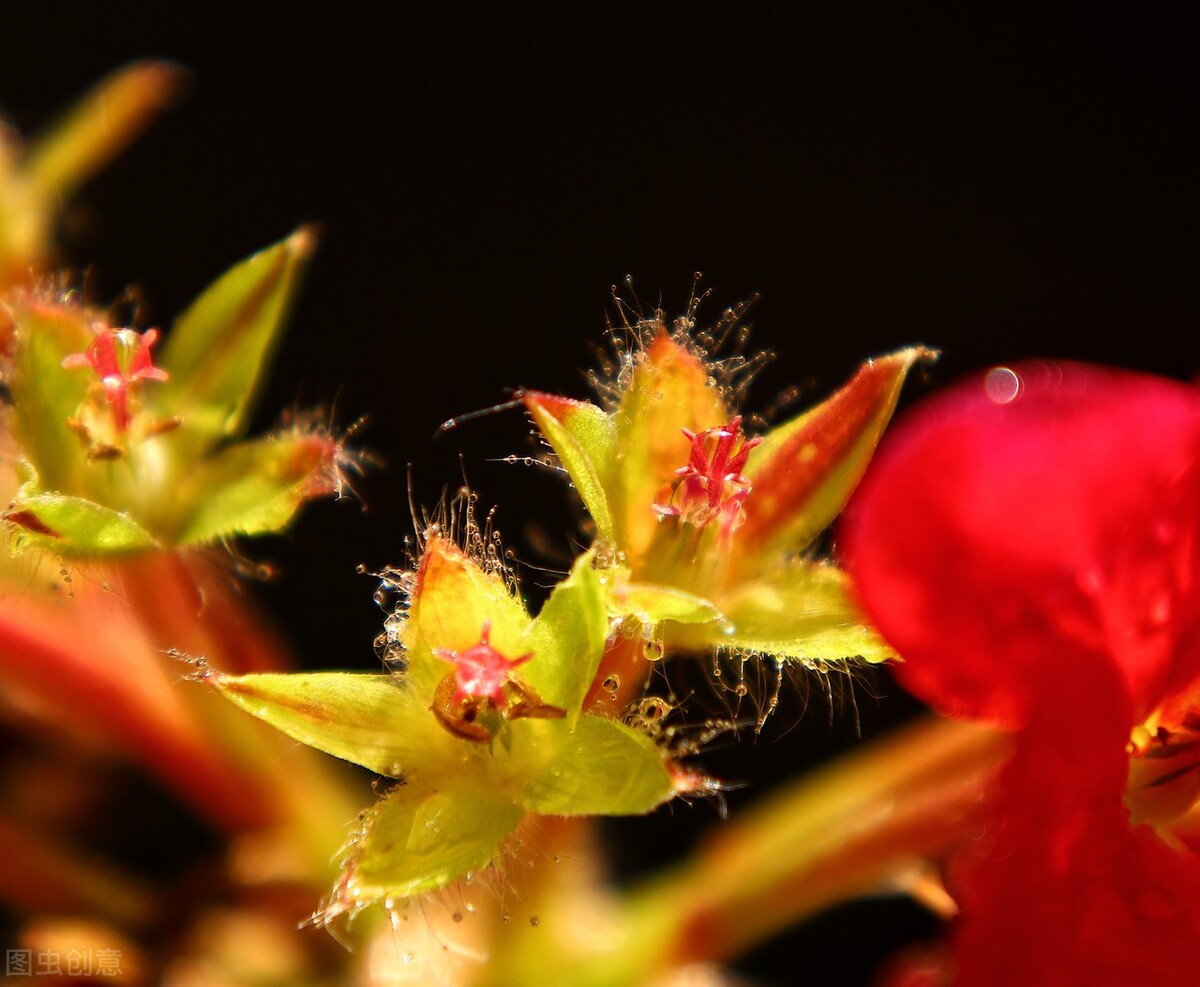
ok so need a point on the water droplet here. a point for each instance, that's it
(741, 689)
(534, 921)
(504, 918)
(1001, 385)
(457, 916)
(407, 956)
(653, 651)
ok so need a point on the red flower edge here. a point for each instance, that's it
(1029, 541)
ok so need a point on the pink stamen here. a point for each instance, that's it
(711, 485)
(121, 359)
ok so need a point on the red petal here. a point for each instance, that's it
(1037, 518)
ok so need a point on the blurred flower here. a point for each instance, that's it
(108, 467)
(1030, 543)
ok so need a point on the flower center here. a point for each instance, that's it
(481, 672)
(121, 359)
(711, 485)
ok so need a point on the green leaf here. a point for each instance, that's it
(253, 488)
(102, 123)
(802, 611)
(804, 471)
(74, 526)
(584, 438)
(418, 839)
(567, 640)
(372, 720)
(44, 395)
(652, 603)
(603, 768)
(219, 348)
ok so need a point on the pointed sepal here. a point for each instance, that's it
(218, 350)
(567, 639)
(584, 438)
(804, 471)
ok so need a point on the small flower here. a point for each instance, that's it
(669, 456)
(477, 748)
(481, 672)
(1030, 544)
(711, 485)
(121, 359)
(199, 481)
(483, 682)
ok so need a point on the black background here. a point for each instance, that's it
(996, 188)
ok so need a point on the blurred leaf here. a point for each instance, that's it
(254, 487)
(219, 348)
(603, 768)
(584, 439)
(74, 526)
(567, 640)
(99, 126)
(44, 395)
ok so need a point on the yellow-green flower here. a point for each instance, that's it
(704, 534)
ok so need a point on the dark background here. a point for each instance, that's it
(998, 189)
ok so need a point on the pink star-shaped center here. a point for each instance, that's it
(481, 671)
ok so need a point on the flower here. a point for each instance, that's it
(1030, 543)
(701, 529)
(121, 359)
(110, 467)
(475, 748)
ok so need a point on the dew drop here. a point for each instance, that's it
(457, 916)
(741, 689)
(534, 921)
(504, 918)
(407, 956)
(653, 651)
(1001, 385)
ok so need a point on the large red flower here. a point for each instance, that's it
(1029, 542)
